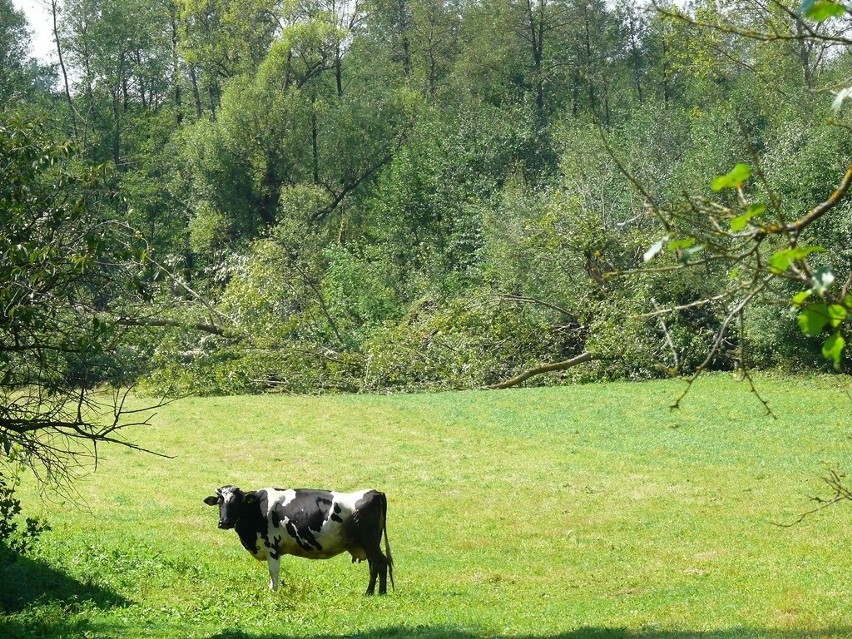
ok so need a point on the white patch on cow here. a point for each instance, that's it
(260, 545)
(347, 501)
(275, 496)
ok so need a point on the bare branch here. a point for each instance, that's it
(667, 335)
(820, 209)
(546, 368)
(671, 309)
(807, 33)
(533, 300)
(840, 492)
(160, 322)
(717, 341)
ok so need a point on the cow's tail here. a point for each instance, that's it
(387, 543)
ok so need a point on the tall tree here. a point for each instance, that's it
(14, 52)
(221, 39)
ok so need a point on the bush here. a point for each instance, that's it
(15, 539)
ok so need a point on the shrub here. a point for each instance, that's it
(16, 537)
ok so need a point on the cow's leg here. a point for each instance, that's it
(371, 587)
(378, 569)
(274, 565)
(367, 533)
(382, 568)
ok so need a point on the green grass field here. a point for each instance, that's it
(576, 512)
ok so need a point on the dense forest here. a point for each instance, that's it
(223, 196)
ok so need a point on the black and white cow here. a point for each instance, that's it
(316, 524)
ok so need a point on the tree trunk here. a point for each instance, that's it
(314, 136)
(536, 30)
(54, 11)
(196, 94)
(176, 66)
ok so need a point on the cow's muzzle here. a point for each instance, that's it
(226, 525)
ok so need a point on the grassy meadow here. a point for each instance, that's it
(576, 512)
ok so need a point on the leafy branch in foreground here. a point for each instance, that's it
(68, 267)
(770, 254)
(763, 253)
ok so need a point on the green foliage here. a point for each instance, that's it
(59, 262)
(456, 343)
(360, 291)
(14, 44)
(310, 172)
(15, 540)
(822, 10)
(72, 274)
(734, 179)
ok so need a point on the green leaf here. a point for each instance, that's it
(781, 260)
(800, 297)
(741, 221)
(676, 245)
(813, 318)
(821, 10)
(832, 348)
(801, 252)
(836, 315)
(739, 174)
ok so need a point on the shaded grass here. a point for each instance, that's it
(588, 511)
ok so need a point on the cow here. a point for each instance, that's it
(310, 523)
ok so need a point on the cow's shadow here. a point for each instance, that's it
(443, 632)
(26, 581)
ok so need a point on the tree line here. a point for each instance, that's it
(220, 196)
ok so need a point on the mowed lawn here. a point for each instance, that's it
(577, 512)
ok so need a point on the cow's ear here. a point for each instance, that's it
(212, 500)
(251, 498)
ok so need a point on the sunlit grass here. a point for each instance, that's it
(589, 511)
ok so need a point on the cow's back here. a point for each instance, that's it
(312, 523)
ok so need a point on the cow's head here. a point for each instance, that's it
(233, 504)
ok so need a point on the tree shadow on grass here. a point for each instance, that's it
(442, 632)
(36, 599)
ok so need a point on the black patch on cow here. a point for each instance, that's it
(274, 546)
(365, 529)
(335, 516)
(365, 526)
(304, 515)
(291, 529)
(251, 521)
